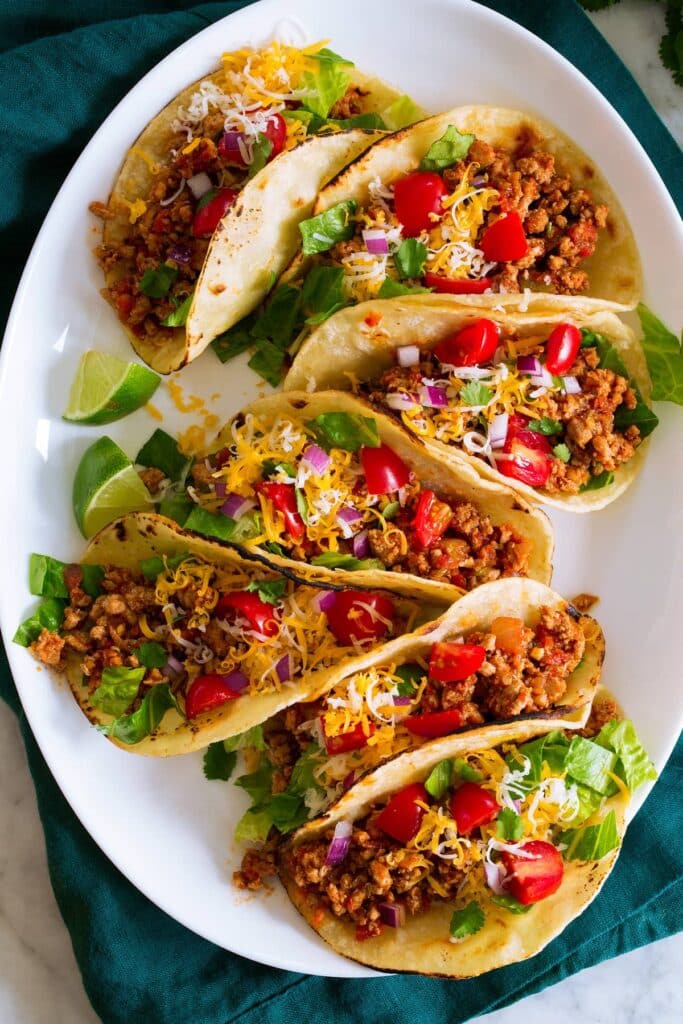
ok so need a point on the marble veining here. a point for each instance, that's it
(39, 979)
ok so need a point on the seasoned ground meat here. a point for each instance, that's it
(257, 865)
(587, 419)
(152, 478)
(376, 870)
(350, 104)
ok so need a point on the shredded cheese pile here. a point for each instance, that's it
(450, 244)
(285, 440)
(367, 699)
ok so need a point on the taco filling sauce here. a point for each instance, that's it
(471, 219)
(328, 493)
(557, 412)
(259, 104)
(488, 833)
(206, 634)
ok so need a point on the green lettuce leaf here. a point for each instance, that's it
(324, 231)
(118, 689)
(151, 567)
(390, 289)
(551, 748)
(409, 258)
(260, 152)
(215, 524)
(663, 353)
(177, 507)
(446, 151)
(219, 763)
(249, 738)
(511, 904)
(253, 826)
(258, 784)
(633, 766)
(369, 122)
(402, 112)
(328, 85)
(279, 321)
(464, 772)
(322, 293)
(467, 921)
(590, 764)
(593, 842)
(596, 483)
(130, 729)
(344, 430)
(267, 361)
(337, 560)
(162, 451)
(48, 615)
(46, 577)
(178, 316)
(235, 340)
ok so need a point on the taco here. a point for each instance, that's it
(476, 200)
(169, 644)
(319, 485)
(552, 401)
(436, 862)
(226, 151)
(511, 651)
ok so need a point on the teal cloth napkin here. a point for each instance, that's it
(62, 69)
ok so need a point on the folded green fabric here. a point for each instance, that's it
(61, 72)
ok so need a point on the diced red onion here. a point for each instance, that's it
(347, 517)
(361, 544)
(433, 398)
(498, 429)
(180, 254)
(236, 146)
(393, 914)
(495, 873)
(326, 600)
(284, 668)
(376, 242)
(402, 702)
(571, 385)
(530, 365)
(235, 506)
(339, 847)
(316, 458)
(174, 669)
(400, 401)
(237, 681)
(408, 355)
(199, 184)
(348, 781)
(479, 180)
(220, 488)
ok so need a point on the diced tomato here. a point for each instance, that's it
(283, 498)
(276, 132)
(584, 235)
(360, 615)
(562, 348)
(472, 806)
(508, 633)
(402, 817)
(260, 615)
(384, 470)
(439, 723)
(432, 518)
(161, 223)
(457, 286)
(354, 739)
(207, 219)
(531, 454)
(207, 692)
(504, 240)
(417, 197)
(449, 663)
(471, 345)
(124, 304)
(531, 880)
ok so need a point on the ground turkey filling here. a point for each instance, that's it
(471, 551)
(586, 418)
(163, 233)
(376, 870)
(561, 222)
(531, 679)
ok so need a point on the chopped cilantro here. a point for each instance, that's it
(151, 655)
(545, 426)
(410, 676)
(597, 482)
(219, 763)
(178, 317)
(509, 825)
(467, 921)
(260, 153)
(157, 283)
(270, 591)
(475, 394)
(511, 904)
(390, 289)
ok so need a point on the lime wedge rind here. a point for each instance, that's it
(106, 388)
(105, 487)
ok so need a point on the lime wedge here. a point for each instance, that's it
(106, 388)
(105, 487)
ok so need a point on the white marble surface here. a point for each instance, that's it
(39, 979)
